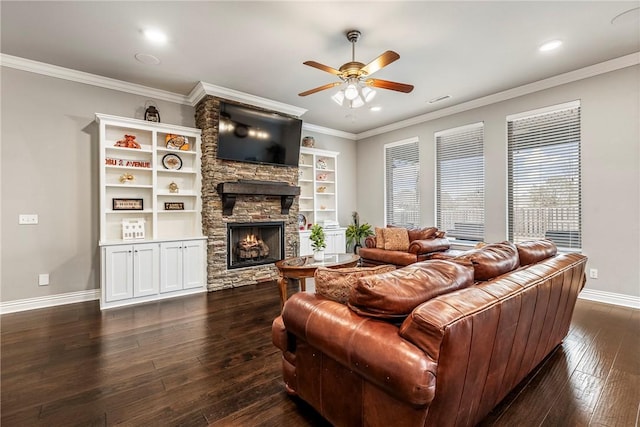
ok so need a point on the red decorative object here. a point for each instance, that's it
(129, 141)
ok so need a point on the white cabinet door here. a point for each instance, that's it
(171, 266)
(305, 244)
(118, 280)
(193, 264)
(336, 241)
(146, 268)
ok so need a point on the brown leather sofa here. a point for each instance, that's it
(486, 321)
(422, 243)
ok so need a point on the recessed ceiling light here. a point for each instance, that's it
(440, 98)
(146, 58)
(553, 44)
(376, 108)
(155, 36)
(631, 16)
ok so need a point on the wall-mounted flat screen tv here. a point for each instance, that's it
(255, 136)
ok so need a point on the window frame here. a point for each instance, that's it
(477, 233)
(511, 216)
(386, 147)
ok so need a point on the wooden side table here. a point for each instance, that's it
(303, 267)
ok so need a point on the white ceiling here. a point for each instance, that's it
(463, 49)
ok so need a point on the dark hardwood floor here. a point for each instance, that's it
(208, 360)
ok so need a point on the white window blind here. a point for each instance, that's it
(460, 182)
(544, 176)
(402, 172)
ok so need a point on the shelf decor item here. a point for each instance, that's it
(127, 178)
(172, 161)
(321, 164)
(109, 161)
(308, 141)
(174, 206)
(176, 142)
(318, 242)
(302, 221)
(173, 188)
(127, 205)
(133, 229)
(129, 141)
(151, 113)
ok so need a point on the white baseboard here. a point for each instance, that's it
(48, 301)
(94, 294)
(610, 298)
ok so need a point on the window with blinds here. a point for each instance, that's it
(544, 175)
(402, 172)
(460, 182)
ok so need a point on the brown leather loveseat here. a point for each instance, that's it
(401, 246)
(437, 343)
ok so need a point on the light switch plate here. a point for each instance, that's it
(27, 219)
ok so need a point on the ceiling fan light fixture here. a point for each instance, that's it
(338, 97)
(368, 94)
(357, 102)
(351, 92)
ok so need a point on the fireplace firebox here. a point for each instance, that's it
(254, 243)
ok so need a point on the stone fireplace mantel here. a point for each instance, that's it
(230, 190)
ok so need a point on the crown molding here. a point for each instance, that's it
(561, 79)
(328, 131)
(89, 79)
(202, 89)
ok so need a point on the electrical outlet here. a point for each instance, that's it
(593, 273)
(27, 219)
(43, 280)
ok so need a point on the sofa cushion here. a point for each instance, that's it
(429, 245)
(380, 256)
(422, 233)
(535, 251)
(491, 260)
(396, 239)
(393, 295)
(379, 237)
(336, 283)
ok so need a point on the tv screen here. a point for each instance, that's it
(255, 136)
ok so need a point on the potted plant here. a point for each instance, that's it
(318, 242)
(356, 232)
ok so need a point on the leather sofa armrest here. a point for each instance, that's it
(429, 245)
(370, 242)
(371, 348)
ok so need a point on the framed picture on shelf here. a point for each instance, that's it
(174, 206)
(127, 204)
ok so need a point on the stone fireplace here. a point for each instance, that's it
(232, 194)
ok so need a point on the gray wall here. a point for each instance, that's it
(610, 170)
(49, 163)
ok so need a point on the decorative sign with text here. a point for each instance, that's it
(127, 163)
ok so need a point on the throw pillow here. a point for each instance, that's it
(336, 283)
(396, 239)
(379, 238)
(395, 294)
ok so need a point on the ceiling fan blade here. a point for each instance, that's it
(381, 61)
(386, 84)
(322, 67)
(318, 89)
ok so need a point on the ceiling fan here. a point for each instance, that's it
(355, 76)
